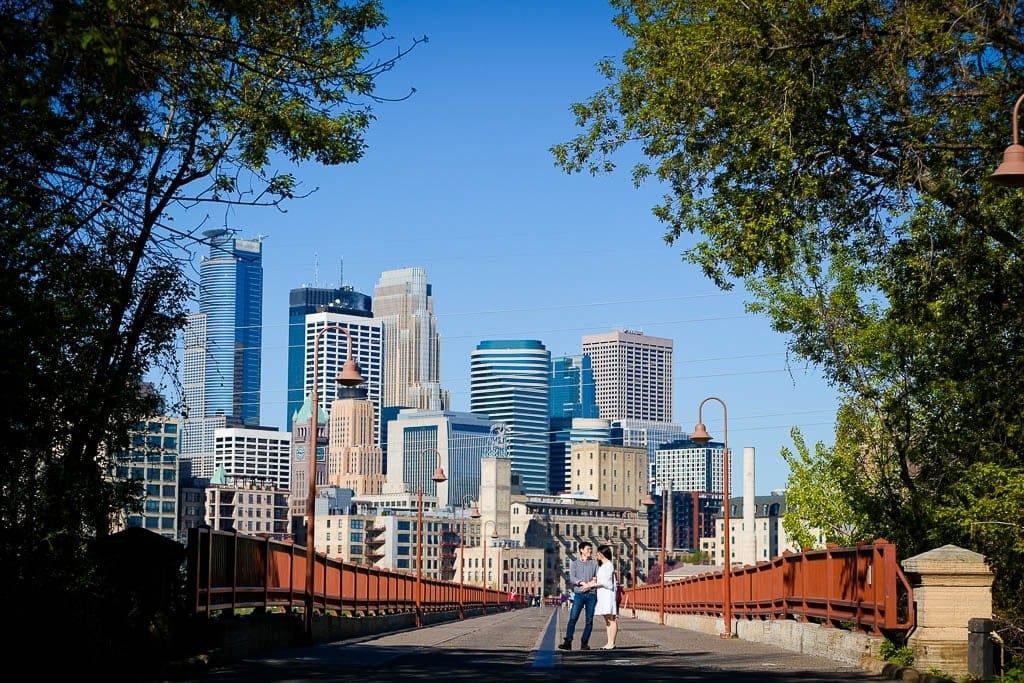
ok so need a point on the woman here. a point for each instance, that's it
(606, 594)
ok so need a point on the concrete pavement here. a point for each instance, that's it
(521, 645)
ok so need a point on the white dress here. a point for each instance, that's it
(606, 589)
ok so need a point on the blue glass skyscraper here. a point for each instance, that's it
(509, 382)
(231, 301)
(223, 347)
(573, 392)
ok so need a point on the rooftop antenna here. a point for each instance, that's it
(341, 272)
(316, 269)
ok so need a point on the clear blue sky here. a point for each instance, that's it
(459, 179)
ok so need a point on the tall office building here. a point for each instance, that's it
(633, 375)
(223, 345)
(301, 302)
(573, 392)
(420, 440)
(257, 454)
(404, 302)
(509, 382)
(354, 460)
(691, 466)
(366, 336)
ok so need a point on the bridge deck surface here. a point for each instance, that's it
(521, 645)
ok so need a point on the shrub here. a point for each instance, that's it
(897, 654)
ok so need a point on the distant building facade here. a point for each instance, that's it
(632, 375)
(301, 302)
(153, 462)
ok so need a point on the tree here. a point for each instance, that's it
(831, 157)
(817, 496)
(118, 118)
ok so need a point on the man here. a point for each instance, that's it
(582, 571)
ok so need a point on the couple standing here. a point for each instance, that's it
(594, 591)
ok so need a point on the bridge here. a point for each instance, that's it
(823, 613)
(520, 644)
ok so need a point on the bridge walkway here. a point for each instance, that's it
(521, 645)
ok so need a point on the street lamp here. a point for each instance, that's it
(483, 544)
(666, 496)
(632, 569)
(1011, 172)
(350, 377)
(438, 477)
(700, 435)
(475, 514)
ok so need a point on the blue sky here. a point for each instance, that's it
(459, 179)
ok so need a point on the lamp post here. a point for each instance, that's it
(483, 544)
(632, 569)
(349, 376)
(475, 514)
(666, 497)
(1011, 172)
(700, 435)
(438, 477)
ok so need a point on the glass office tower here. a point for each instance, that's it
(509, 382)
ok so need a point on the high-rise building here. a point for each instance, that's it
(366, 334)
(460, 439)
(573, 393)
(354, 460)
(259, 454)
(153, 461)
(632, 373)
(301, 302)
(404, 303)
(509, 383)
(223, 345)
(691, 466)
(647, 433)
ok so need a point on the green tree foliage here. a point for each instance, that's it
(117, 115)
(832, 157)
(817, 496)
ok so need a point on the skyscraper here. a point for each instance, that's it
(509, 382)
(223, 343)
(573, 393)
(633, 375)
(460, 440)
(301, 302)
(403, 301)
(333, 351)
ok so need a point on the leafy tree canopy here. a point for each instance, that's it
(117, 114)
(832, 156)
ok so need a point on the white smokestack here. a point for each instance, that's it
(748, 544)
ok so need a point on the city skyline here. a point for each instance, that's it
(457, 179)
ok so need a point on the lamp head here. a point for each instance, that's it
(700, 433)
(648, 499)
(1011, 172)
(474, 512)
(349, 375)
(439, 475)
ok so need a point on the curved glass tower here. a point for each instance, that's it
(509, 382)
(231, 306)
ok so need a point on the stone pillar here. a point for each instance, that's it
(951, 586)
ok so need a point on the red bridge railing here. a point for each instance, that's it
(862, 586)
(228, 572)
